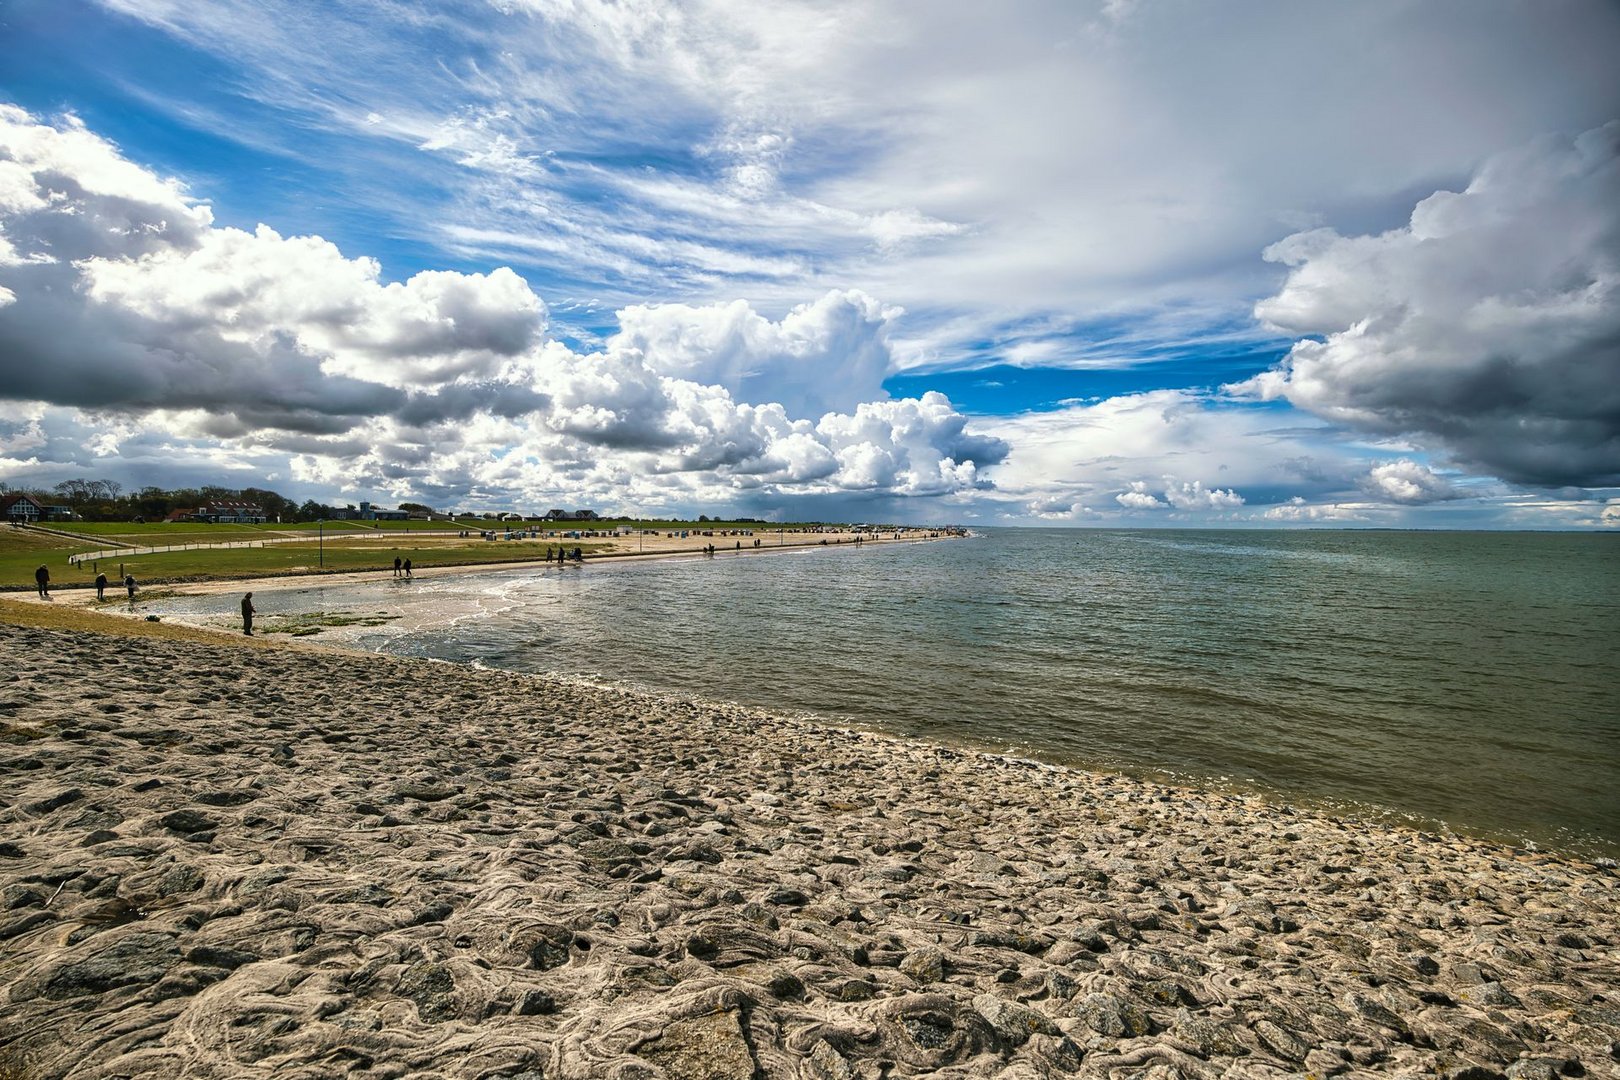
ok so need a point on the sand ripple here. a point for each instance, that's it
(217, 862)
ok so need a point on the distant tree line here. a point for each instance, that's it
(105, 500)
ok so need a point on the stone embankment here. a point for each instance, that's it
(223, 862)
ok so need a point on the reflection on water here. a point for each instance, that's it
(1460, 677)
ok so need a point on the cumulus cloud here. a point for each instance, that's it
(1297, 509)
(129, 299)
(824, 356)
(1137, 498)
(1488, 325)
(1409, 482)
(1182, 495)
(142, 330)
(1194, 496)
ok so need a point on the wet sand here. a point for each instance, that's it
(222, 858)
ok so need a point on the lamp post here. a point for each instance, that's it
(320, 540)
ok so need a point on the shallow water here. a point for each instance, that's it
(1465, 678)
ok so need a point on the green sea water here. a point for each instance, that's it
(1463, 679)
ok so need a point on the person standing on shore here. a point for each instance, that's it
(101, 586)
(42, 580)
(407, 568)
(129, 583)
(396, 566)
(247, 614)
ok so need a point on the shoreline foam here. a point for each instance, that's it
(235, 860)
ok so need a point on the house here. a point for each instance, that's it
(222, 513)
(24, 509)
(377, 513)
(571, 515)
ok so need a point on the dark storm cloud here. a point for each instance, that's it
(1488, 326)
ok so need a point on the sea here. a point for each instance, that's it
(1452, 681)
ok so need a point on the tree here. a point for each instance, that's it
(416, 508)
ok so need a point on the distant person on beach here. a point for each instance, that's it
(407, 568)
(396, 566)
(247, 614)
(42, 579)
(129, 583)
(101, 586)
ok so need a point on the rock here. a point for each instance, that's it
(24, 923)
(825, 1063)
(710, 1047)
(1168, 992)
(180, 878)
(1108, 1015)
(1423, 964)
(924, 965)
(785, 986)
(1013, 1022)
(425, 792)
(536, 1003)
(1489, 993)
(13, 897)
(140, 959)
(432, 913)
(430, 986)
(220, 956)
(1471, 1072)
(228, 797)
(1056, 1053)
(1206, 1037)
(55, 802)
(1371, 1010)
(187, 821)
(1280, 1041)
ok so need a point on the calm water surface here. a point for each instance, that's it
(1465, 678)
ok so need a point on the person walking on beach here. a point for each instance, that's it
(42, 580)
(407, 568)
(247, 614)
(129, 583)
(101, 586)
(396, 566)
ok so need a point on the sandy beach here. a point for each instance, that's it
(222, 858)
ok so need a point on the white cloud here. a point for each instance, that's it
(1137, 498)
(1194, 496)
(1407, 481)
(1298, 510)
(152, 336)
(823, 356)
(256, 287)
(1098, 157)
(1486, 326)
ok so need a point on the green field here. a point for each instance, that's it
(21, 551)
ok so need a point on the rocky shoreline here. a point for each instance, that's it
(228, 862)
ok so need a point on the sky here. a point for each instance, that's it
(1115, 263)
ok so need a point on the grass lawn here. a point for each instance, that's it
(21, 551)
